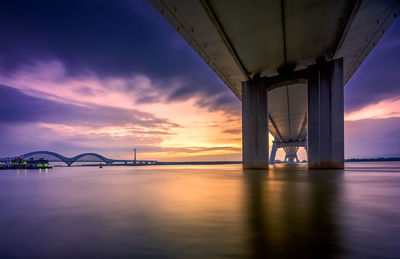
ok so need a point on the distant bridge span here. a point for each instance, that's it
(84, 157)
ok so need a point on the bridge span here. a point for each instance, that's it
(287, 61)
(84, 157)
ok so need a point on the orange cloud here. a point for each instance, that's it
(202, 134)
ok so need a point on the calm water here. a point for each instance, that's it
(201, 212)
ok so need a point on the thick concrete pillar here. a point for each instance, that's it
(325, 115)
(254, 125)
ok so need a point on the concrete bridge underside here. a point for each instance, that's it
(288, 62)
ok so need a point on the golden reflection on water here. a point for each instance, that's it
(289, 216)
(271, 213)
(198, 211)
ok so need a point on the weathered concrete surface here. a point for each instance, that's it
(325, 115)
(254, 126)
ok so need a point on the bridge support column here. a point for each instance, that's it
(254, 125)
(273, 153)
(291, 154)
(325, 115)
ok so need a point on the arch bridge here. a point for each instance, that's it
(84, 157)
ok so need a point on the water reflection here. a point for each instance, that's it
(293, 214)
(200, 212)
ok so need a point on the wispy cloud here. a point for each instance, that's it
(87, 108)
(384, 109)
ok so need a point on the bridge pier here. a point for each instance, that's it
(291, 155)
(254, 125)
(273, 153)
(325, 115)
(325, 120)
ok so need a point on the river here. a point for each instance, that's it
(217, 211)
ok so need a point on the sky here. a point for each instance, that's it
(110, 76)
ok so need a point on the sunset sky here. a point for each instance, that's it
(110, 76)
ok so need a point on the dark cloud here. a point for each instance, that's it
(104, 36)
(233, 131)
(377, 78)
(223, 102)
(17, 107)
(108, 38)
(181, 93)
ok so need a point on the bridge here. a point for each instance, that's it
(85, 157)
(287, 61)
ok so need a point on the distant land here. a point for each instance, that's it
(200, 163)
(379, 159)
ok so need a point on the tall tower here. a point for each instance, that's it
(134, 155)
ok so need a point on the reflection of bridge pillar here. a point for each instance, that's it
(254, 125)
(325, 115)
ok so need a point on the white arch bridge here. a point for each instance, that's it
(84, 157)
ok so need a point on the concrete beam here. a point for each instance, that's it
(295, 77)
(298, 143)
(254, 125)
(325, 115)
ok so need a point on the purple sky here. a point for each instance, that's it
(107, 76)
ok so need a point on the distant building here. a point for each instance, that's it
(19, 163)
(37, 163)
